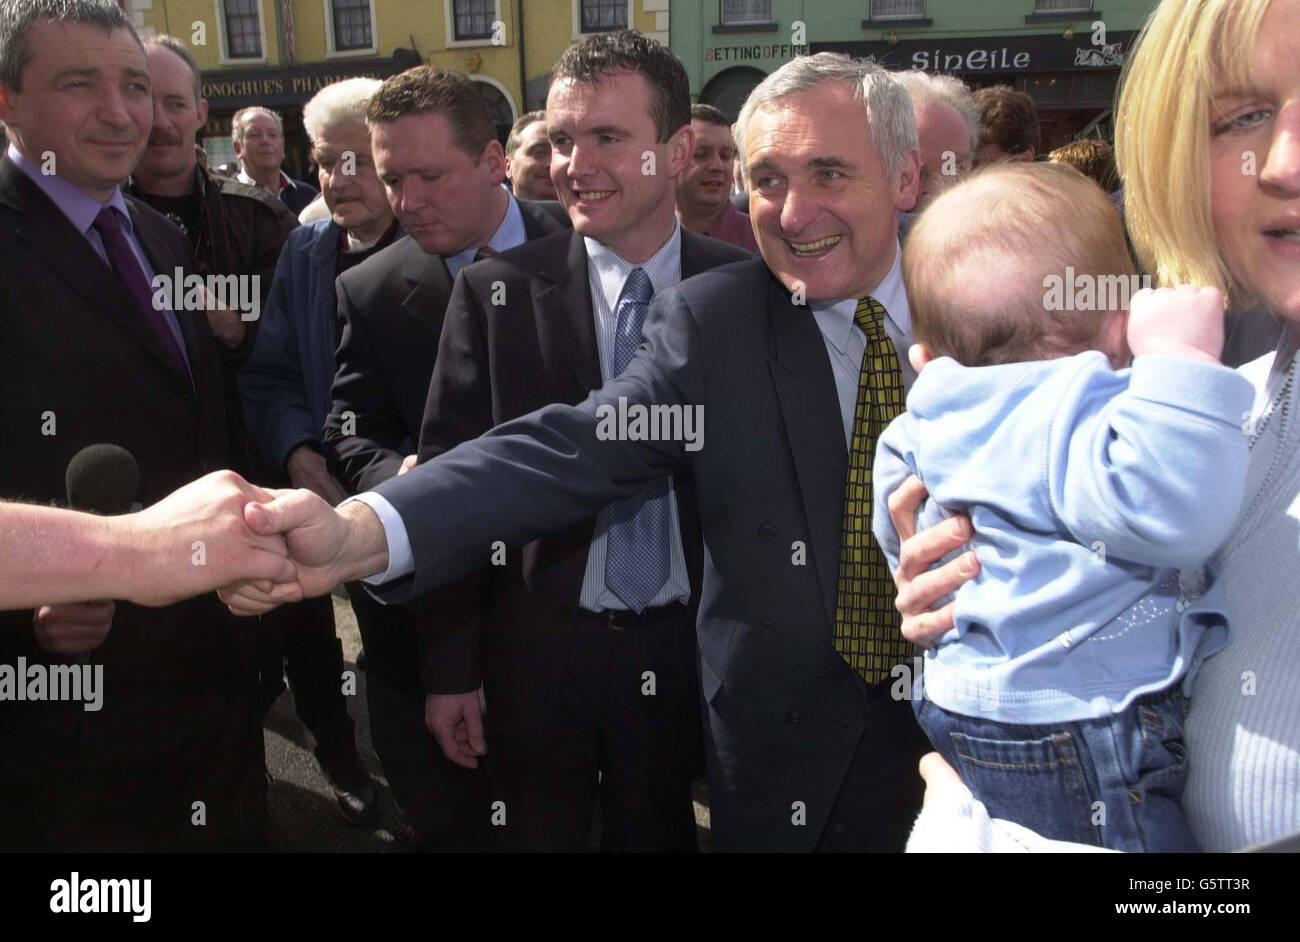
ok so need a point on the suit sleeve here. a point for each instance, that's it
(371, 452)
(450, 621)
(271, 382)
(551, 468)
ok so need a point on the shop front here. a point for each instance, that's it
(1071, 77)
(284, 90)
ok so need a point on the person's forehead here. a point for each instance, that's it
(622, 95)
(259, 120)
(941, 121)
(532, 134)
(350, 134)
(167, 68)
(708, 132)
(803, 125)
(417, 141)
(54, 46)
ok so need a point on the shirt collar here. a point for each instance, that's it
(509, 234)
(242, 177)
(664, 267)
(836, 318)
(80, 208)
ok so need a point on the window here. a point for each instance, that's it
(473, 19)
(600, 16)
(243, 30)
(746, 11)
(886, 9)
(1062, 6)
(352, 24)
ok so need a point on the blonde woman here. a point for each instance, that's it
(1208, 144)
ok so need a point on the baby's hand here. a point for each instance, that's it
(1182, 322)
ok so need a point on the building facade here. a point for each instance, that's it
(1067, 54)
(279, 53)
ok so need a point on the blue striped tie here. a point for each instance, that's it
(636, 558)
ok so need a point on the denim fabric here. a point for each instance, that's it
(1113, 782)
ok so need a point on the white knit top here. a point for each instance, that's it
(1243, 732)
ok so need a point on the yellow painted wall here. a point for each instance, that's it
(178, 17)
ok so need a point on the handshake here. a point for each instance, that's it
(258, 547)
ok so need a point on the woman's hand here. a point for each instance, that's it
(919, 587)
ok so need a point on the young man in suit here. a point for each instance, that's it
(797, 359)
(173, 760)
(559, 645)
(435, 150)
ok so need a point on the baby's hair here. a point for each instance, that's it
(978, 260)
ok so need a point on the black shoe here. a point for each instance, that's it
(359, 804)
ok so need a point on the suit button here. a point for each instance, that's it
(794, 717)
(767, 625)
(767, 533)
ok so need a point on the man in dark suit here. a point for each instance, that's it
(173, 759)
(797, 361)
(426, 124)
(541, 633)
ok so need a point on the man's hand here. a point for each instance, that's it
(306, 467)
(195, 540)
(940, 778)
(73, 629)
(227, 325)
(1181, 322)
(919, 587)
(407, 464)
(456, 721)
(327, 546)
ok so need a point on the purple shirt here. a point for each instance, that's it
(82, 210)
(733, 226)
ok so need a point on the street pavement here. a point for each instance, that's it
(304, 814)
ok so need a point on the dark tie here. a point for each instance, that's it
(636, 557)
(867, 632)
(124, 263)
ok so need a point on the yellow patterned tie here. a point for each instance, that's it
(866, 622)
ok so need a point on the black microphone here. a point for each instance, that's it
(102, 479)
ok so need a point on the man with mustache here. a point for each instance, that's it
(237, 229)
(704, 188)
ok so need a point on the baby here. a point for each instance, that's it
(1059, 694)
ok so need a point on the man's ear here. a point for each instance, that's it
(493, 159)
(681, 150)
(203, 113)
(909, 181)
(6, 104)
(918, 355)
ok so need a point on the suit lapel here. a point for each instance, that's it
(810, 406)
(56, 244)
(565, 323)
(430, 283)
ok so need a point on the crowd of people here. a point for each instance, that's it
(938, 507)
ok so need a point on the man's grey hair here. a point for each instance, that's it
(174, 45)
(237, 129)
(520, 126)
(890, 121)
(17, 17)
(928, 89)
(337, 103)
